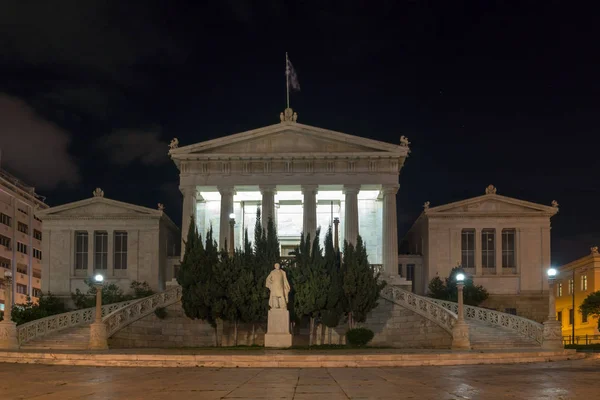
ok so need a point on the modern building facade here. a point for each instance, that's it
(502, 242)
(301, 176)
(121, 241)
(20, 238)
(574, 282)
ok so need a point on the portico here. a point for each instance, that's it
(303, 177)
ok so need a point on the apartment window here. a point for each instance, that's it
(583, 283)
(23, 211)
(22, 227)
(488, 248)
(22, 269)
(21, 288)
(21, 248)
(37, 274)
(81, 250)
(5, 219)
(571, 286)
(120, 250)
(4, 263)
(571, 316)
(468, 248)
(508, 248)
(37, 234)
(559, 317)
(584, 318)
(559, 290)
(37, 254)
(100, 250)
(36, 292)
(4, 241)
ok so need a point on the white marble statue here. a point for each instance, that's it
(279, 287)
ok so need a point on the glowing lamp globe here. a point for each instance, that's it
(460, 277)
(552, 272)
(232, 216)
(99, 278)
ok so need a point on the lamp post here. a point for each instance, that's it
(552, 336)
(231, 234)
(8, 329)
(460, 332)
(98, 335)
(336, 240)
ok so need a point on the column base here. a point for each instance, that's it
(552, 335)
(98, 337)
(460, 336)
(8, 336)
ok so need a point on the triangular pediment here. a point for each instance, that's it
(491, 204)
(97, 207)
(289, 138)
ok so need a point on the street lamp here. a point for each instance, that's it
(98, 279)
(460, 332)
(552, 336)
(98, 335)
(231, 233)
(8, 329)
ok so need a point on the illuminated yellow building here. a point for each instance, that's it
(574, 282)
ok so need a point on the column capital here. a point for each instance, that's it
(390, 189)
(310, 188)
(188, 190)
(267, 188)
(351, 189)
(226, 190)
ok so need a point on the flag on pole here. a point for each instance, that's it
(291, 75)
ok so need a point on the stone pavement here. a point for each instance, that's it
(563, 380)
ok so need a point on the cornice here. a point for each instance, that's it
(286, 156)
(102, 217)
(504, 214)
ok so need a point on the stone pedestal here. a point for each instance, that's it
(278, 329)
(8, 336)
(98, 336)
(552, 335)
(460, 336)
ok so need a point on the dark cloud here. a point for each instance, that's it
(127, 146)
(34, 148)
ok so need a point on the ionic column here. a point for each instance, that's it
(189, 211)
(390, 229)
(309, 212)
(268, 204)
(499, 251)
(351, 214)
(227, 193)
(478, 253)
(90, 266)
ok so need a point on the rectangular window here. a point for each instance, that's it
(22, 269)
(22, 227)
(37, 254)
(468, 248)
(81, 250)
(21, 248)
(400, 269)
(559, 290)
(4, 263)
(570, 286)
(488, 248)
(36, 292)
(120, 250)
(100, 250)
(21, 288)
(37, 234)
(410, 274)
(583, 283)
(559, 317)
(5, 241)
(5, 219)
(571, 316)
(508, 248)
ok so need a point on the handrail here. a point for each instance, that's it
(520, 325)
(434, 312)
(54, 323)
(124, 316)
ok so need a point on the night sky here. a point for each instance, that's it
(494, 92)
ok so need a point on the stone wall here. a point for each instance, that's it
(530, 306)
(394, 326)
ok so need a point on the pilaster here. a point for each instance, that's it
(90, 253)
(390, 229)
(309, 212)
(268, 204)
(110, 261)
(478, 253)
(189, 211)
(498, 237)
(351, 214)
(227, 193)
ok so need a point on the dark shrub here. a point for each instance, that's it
(359, 337)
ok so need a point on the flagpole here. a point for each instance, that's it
(287, 80)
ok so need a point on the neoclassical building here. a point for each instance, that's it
(301, 176)
(502, 242)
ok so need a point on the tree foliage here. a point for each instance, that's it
(591, 306)
(46, 306)
(473, 295)
(111, 293)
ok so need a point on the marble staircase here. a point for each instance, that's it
(74, 338)
(486, 336)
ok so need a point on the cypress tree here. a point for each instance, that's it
(334, 307)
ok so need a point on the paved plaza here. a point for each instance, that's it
(559, 380)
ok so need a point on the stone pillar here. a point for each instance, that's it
(498, 237)
(460, 332)
(110, 261)
(227, 193)
(309, 212)
(390, 230)
(478, 253)
(552, 336)
(90, 253)
(351, 213)
(8, 329)
(268, 204)
(98, 334)
(189, 211)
